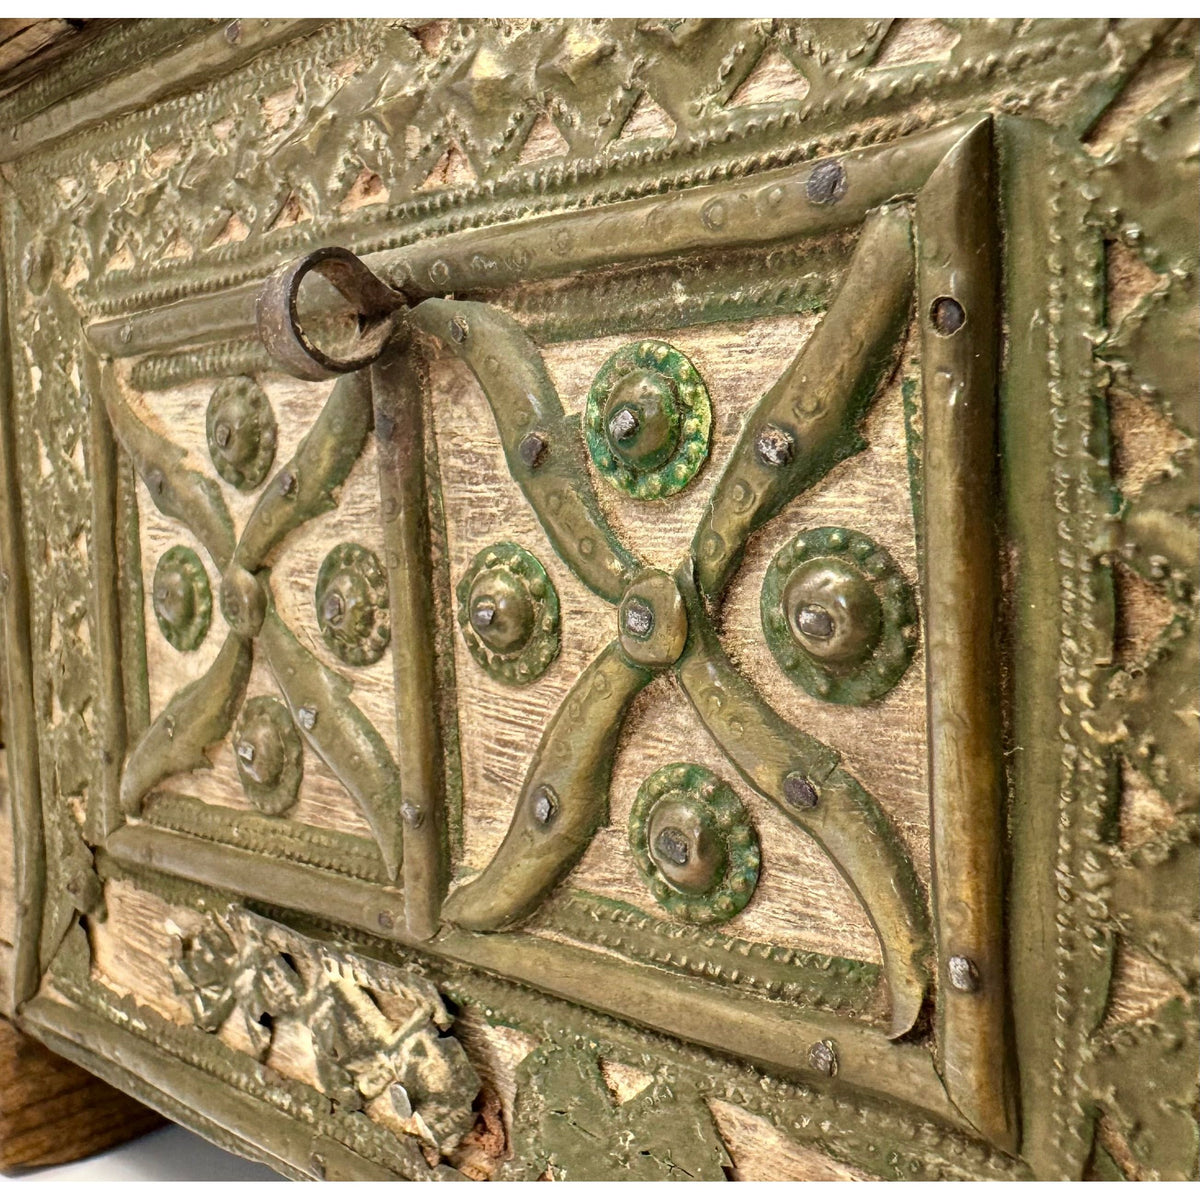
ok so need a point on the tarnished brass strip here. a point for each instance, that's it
(271, 836)
(773, 206)
(334, 726)
(197, 716)
(371, 907)
(21, 748)
(806, 423)
(167, 74)
(563, 802)
(104, 813)
(778, 972)
(304, 487)
(400, 449)
(185, 495)
(543, 447)
(801, 776)
(185, 1094)
(958, 279)
(769, 1034)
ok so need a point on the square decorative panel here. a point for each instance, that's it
(657, 662)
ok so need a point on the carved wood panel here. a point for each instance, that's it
(672, 654)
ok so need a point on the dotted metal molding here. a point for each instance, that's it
(241, 432)
(648, 420)
(182, 598)
(269, 754)
(352, 604)
(694, 843)
(508, 612)
(839, 616)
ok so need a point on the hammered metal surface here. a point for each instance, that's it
(966, 247)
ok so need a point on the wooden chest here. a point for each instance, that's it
(609, 599)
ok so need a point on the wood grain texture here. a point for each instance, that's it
(52, 1111)
(8, 889)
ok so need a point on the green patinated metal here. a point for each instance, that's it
(839, 615)
(182, 598)
(806, 423)
(129, 162)
(695, 846)
(648, 420)
(334, 726)
(509, 614)
(269, 755)
(197, 716)
(351, 599)
(176, 491)
(305, 486)
(541, 443)
(241, 431)
(567, 1127)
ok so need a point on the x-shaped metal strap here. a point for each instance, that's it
(202, 713)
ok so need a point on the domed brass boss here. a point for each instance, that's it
(838, 615)
(241, 430)
(652, 621)
(694, 844)
(648, 420)
(182, 598)
(508, 613)
(269, 755)
(351, 600)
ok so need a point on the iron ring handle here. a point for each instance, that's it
(283, 335)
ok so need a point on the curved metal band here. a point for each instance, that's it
(284, 337)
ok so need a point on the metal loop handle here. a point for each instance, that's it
(285, 339)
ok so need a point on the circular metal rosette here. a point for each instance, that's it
(694, 843)
(508, 613)
(241, 432)
(269, 754)
(182, 598)
(839, 616)
(648, 420)
(352, 604)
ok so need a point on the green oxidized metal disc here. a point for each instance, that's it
(839, 616)
(508, 612)
(352, 604)
(694, 844)
(182, 598)
(269, 755)
(648, 420)
(241, 431)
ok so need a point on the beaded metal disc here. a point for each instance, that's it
(508, 613)
(269, 755)
(182, 598)
(694, 844)
(839, 616)
(352, 604)
(648, 420)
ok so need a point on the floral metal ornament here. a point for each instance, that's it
(838, 615)
(182, 598)
(318, 699)
(352, 604)
(695, 845)
(269, 755)
(241, 430)
(508, 612)
(648, 420)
